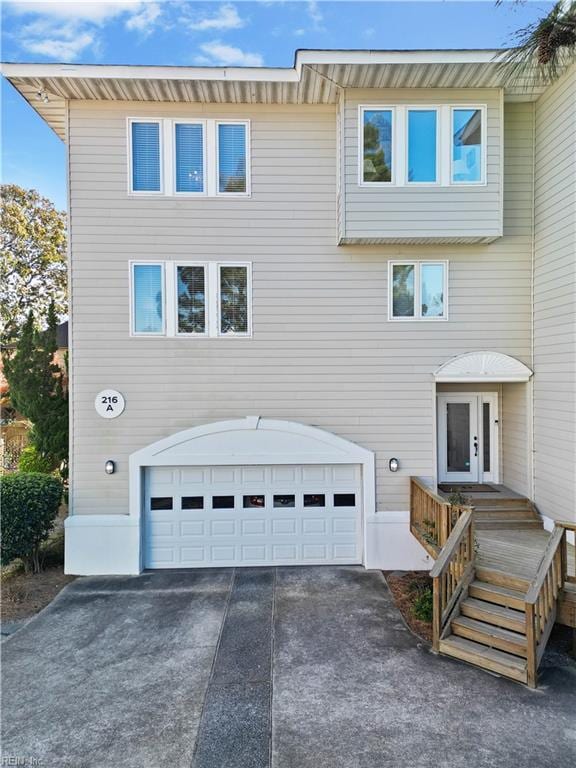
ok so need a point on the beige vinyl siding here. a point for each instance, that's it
(515, 437)
(323, 351)
(416, 212)
(555, 301)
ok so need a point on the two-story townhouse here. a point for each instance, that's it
(295, 289)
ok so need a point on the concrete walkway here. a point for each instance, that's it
(259, 668)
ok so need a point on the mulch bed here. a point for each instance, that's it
(404, 587)
(24, 594)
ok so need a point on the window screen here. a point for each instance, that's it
(148, 302)
(146, 157)
(231, 158)
(233, 299)
(189, 158)
(191, 299)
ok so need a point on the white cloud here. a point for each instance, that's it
(315, 13)
(96, 12)
(144, 21)
(64, 29)
(226, 18)
(62, 50)
(220, 54)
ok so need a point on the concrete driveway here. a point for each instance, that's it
(284, 667)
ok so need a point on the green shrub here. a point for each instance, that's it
(30, 504)
(32, 461)
(423, 604)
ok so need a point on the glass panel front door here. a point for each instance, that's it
(466, 437)
(457, 437)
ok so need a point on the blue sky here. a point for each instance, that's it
(186, 32)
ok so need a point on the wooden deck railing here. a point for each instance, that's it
(432, 518)
(568, 527)
(451, 574)
(541, 600)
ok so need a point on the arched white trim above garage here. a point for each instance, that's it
(476, 367)
(234, 447)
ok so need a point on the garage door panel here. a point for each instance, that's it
(204, 516)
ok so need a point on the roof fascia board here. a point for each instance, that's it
(119, 72)
(399, 57)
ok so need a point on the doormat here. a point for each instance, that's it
(478, 488)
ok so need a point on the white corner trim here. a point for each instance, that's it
(475, 367)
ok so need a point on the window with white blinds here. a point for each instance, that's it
(189, 151)
(233, 299)
(191, 299)
(231, 158)
(146, 157)
(148, 299)
(191, 287)
(189, 157)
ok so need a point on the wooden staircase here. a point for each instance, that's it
(506, 514)
(495, 595)
(490, 629)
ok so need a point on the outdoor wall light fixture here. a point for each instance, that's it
(394, 465)
(42, 96)
(110, 467)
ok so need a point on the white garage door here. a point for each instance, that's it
(275, 515)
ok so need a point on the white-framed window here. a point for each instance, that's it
(189, 142)
(418, 290)
(376, 145)
(189, 157)
(421, 145)
(468, 145)
(147, 291)
(145, 149)
(189, 299)
(232, 152)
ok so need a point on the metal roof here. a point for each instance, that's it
(315, 78)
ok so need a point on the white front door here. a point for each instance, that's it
(467, 437)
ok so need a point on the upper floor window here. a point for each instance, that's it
(411, 145)
(422, 145)
(232, 146)
(466, 146)
(146, 156)
(191, 299)
(189, 157)
(377, 145)
(417, 290)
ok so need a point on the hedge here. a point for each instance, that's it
(30, 504)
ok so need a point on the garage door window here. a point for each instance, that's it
(254, 501)
(192, 502)
(222, 502)
(314, 500)
(284, 501)
(161, 502)
(344, 499)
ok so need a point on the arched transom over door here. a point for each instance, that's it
(259, 492)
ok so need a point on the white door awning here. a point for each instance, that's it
(475, 367)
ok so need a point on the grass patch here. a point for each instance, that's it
(412, 592)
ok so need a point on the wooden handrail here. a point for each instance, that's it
(565, 524)
(537, 582)
(438, 499)
(449, 548)
(541, 600)
(432, 517)
(451, 574)
(568, 527)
